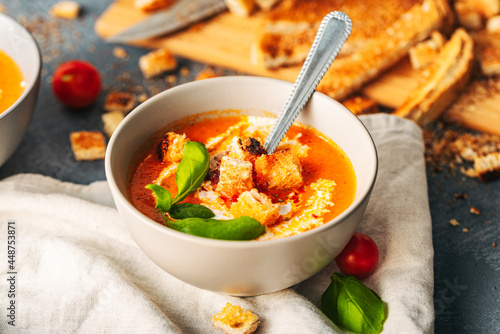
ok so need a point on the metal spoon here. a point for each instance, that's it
(331, 36)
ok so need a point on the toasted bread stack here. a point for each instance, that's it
(382, 34)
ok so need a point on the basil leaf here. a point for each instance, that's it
(352, 305)
(189, 210)
(192, 169)
(241, 228)
(163, 197)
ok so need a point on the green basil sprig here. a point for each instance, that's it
(197, 219)
(352, 305)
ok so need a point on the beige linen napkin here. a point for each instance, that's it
(79, 271)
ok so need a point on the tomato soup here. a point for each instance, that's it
(11, 81)
(317, 182)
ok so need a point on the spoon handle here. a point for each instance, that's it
(331, 36)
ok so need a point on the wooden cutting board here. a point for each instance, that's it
(226, 40)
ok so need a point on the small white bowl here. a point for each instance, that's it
(20, 45)
(242, 268)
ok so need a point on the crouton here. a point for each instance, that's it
(235, 177)
(256, 205)
(240, 7)
(88, 145)
(206, 73)
(156, 62)
(488, 51)
(468, 15)
(111, 120)
(122, 101)
(488, 167)
(172, 146)
(66, 10)
(152, 5)
(235, 320)
(246, 149)
(279, 171)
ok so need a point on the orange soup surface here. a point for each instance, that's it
(11, 81)
(327, 179)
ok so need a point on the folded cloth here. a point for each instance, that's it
(77, 270)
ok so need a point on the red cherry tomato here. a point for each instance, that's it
(76, 83)
(359, 258)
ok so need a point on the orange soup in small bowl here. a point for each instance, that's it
(12, 83)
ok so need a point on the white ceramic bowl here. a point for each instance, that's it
(18, 43)
(241, 268)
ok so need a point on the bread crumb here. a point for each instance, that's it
(454, 222)
(235, 320)
(474, 210)
(184, 71)
(66, 10)
(88, 145)
(465, 230)
(171, 79)
(120, 52)
(206, 73)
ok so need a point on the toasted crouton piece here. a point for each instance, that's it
(241, 7)
(247, 149)
(424, 52)
(66, 10)
(468, 15)
(235, 177)
(360, 105)
(172, 146)
(152, 5)
(256, 205)
(88, 145)
(279, 171)
(156, 62)
(121, 101)
(488, 51)
(493, 24)
(111, 120)
(488, 167)
(235, 320)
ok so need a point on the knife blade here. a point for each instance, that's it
(181, 15)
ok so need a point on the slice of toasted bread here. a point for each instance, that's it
(447, 75)
(477, 106)
(368, 57)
